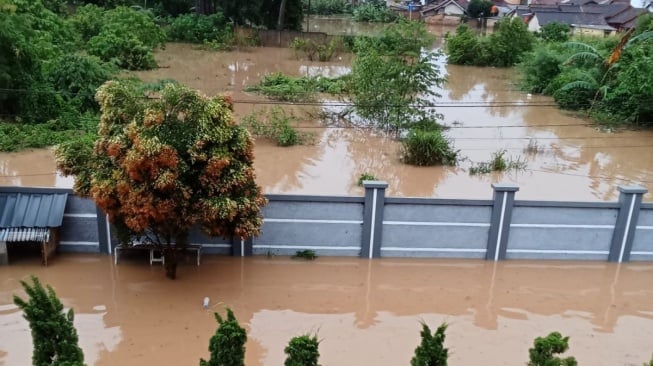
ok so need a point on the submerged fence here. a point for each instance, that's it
(376, 226)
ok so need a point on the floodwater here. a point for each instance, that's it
(364, 312)
(572, 160)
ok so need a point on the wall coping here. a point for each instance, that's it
(439, 201)
(307, 198)
(565, 204)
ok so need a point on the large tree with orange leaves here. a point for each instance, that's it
(163, 165)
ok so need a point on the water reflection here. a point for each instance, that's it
(367, 312)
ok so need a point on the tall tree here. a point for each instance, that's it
(53, 333)
(160, 167)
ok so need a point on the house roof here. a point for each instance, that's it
(585, 20)
(608, 10)
(431, 8)
(31, 210)
(627, 16)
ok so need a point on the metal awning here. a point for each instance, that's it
(18, 234)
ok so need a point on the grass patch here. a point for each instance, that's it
(276, 125)
(281, 87)
(19, 136)
(305, 254)
(427, 147)
(364, 177)
(498, 163)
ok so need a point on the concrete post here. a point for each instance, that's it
(504, 198)
(630, 200)
(373, 218)
(242, 247)
(4, 256)
(103, 233)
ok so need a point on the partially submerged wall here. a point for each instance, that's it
(378, 226)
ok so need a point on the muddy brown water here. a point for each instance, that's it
(365, 312)
(573, 160)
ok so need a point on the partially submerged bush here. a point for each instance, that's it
(427, 147)
(286, 88)
(227, 346)
(302, 351)
(374, 12)
(276, 126)
(364, 177)
(544, 351)
(431, 351)
(315, 51)
(498, 163)
(198, 28)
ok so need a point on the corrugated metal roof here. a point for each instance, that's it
(24, 234)
(31, 210)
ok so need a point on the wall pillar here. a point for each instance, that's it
(242, 247)
(103, 231)
(630, 200)
(373, 218)
(504, 199)
(4, 255)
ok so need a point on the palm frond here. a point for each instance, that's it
(579, 84)
(640, 38)
(583, 57)
(580, 46)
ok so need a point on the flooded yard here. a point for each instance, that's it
(365, 312)
(568, 158)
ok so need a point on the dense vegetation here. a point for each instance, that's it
(503, 48)
(302, 351)
(609, 78)
(53, 57)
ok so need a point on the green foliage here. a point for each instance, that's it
(498, 163)
(374, 12)
(302, 351)
(53, 333)
(276, 126)
(76, 78)
(650, 363)
(554, 32)
(462, 47)
(544, 351)
(540, 67)
(227, 346)
(503, 48)
(160, 173)
(87, 21)
(392, 77)
(365, 176)
(196, 28)
(68, 127)
(327, 7)
(318, 51)
(286, 88)
(431, 351)
(427, 147)
(479, 8)
(127, 38)
(308, 255)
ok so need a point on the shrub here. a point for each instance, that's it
(305, 254)
(431, 351)
(127, 38)
(302, 351)
(87, 21)
(276, 126)
(462, 47)
(540, 68)
(318, 51)
(374, 13)
(364, 177)
(77, 78)
(196, 28)
(227, 346)
(425, 148)
(53, 333)
(327, 7)
(498, 163)
(479, 8)
(555, 32)
(544, 351)
(568, 97)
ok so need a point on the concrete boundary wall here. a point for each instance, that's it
(374, 226)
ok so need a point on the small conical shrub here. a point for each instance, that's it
(544, 351)
(431, 351)
(227, 346)
(302, 351)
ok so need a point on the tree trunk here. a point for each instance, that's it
(282, 15)
(204, 7)
(170, 257)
